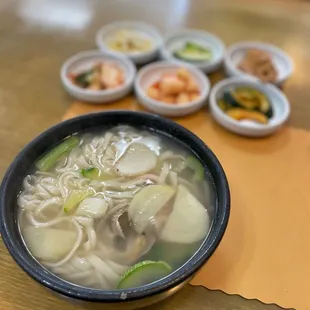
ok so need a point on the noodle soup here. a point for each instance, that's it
(115, 209)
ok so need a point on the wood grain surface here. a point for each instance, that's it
(37, 36)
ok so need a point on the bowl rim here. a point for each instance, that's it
(205, 89)
(204, 65)
(230, 65)
(249, 82)
(149, 29)
(129, 77)
(56, 284)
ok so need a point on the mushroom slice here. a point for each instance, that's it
(138, 159)
(124, 251)
(115, 222)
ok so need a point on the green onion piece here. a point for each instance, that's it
(75, 197)
(50, 159)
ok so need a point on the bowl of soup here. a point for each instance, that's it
(116, 207)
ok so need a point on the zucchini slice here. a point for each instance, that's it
(249, 99)
(144, 273)
(242, 114)
(241, 98)
(96, 174)
(194, 164)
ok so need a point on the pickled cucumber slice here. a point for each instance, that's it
(193, 52)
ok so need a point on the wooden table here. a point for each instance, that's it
(37, 36)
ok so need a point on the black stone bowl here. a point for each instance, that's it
(124, 299)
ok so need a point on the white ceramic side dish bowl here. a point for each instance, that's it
(235, 53)
(278, 101)
(106, 33)
(176, 40)
(152, 73)
(86, 60)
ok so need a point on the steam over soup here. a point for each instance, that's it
(115, 210)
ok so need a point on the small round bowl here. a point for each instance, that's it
(151, 73)
(235, 53)
(176, 40)
(117, 299)
(278, 100)
(85, 60)
(145, 29)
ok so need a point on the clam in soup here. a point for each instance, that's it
(115, 209)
